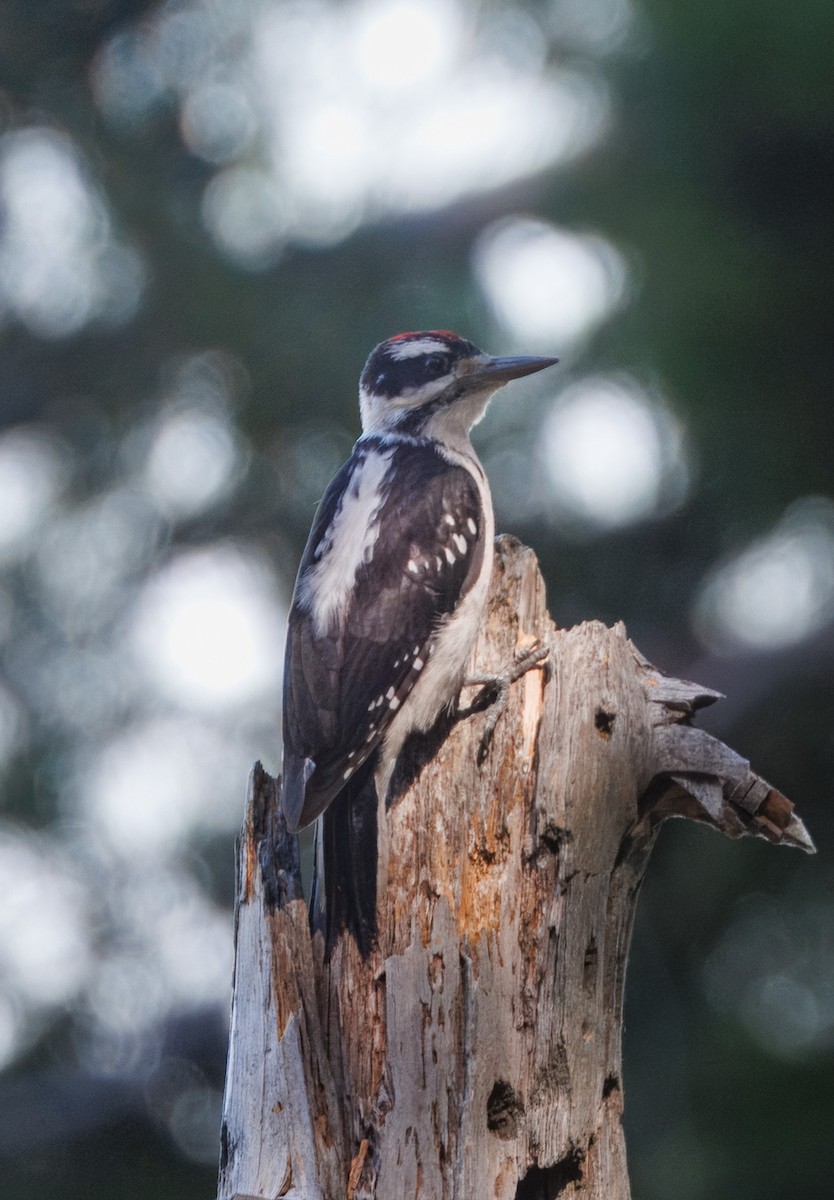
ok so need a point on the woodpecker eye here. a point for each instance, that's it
(436, 365)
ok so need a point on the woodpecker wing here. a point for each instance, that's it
(394, 546)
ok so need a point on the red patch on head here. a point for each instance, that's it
(441, 333)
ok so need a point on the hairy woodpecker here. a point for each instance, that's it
(389, 598)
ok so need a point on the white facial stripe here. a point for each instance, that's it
(400, 350)
(414, 397)
(347, 543)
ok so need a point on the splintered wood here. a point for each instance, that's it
(476, 1052)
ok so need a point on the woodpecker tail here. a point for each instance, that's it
(344, 878)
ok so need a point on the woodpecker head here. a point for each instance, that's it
(433, 383)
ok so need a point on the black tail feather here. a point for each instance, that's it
(344, 881)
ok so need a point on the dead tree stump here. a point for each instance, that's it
(476, 1052)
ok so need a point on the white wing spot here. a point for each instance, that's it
(448, 518)
(460, 542)
(372, 706)
(395, 704)
(418, 664)
(439, 562)
(450, 558)
(347, 774)
(416, 650)
(351, 754)
(389, 694)
(412, 566)
(471, 526)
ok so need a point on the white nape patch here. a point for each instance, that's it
(349, 541)
(405, 349)
(460, 542)
(471, 526)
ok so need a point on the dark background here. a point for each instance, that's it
(209, 213)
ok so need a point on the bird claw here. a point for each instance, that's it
(495, 690)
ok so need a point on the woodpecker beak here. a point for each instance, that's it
(498, 371)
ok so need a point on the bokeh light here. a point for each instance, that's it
(773, 971)
(157, 783)
(778, 590)
(166, 950)
(45, 948)
(208, 628)
(13, 726)
(547, 286)
(613, 453)
(194, 460)
(243, 210)
(217, 122)
(188, 1106)
(61, 267)
(324, 116)
(88, 553)
(33, 470)
(405, 43)
(594, 26)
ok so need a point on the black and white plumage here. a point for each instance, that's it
(388, 601)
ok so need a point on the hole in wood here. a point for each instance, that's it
(611, 1085)
(551, 838)
(225, 1147)
(589, 973)
(503, 1110)
(547, 1183)
(604, 723)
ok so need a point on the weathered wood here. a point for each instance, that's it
(476, 1052)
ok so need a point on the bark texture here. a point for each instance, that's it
(476, 1052)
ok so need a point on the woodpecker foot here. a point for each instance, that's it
(495, 690)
